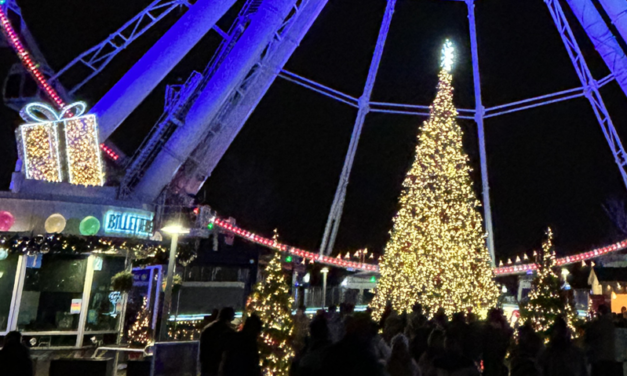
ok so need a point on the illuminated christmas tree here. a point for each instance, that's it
(436, 254)
(139, 333)
(272, 302)
(546, 300)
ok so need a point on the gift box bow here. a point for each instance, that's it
(43, 113)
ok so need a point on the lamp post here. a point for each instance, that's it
(324, 272)
(175, 231)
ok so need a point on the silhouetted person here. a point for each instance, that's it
(415, 321)
(496, 339)
(213, 342)
(454, 362)
(353, 354)
(401, 362)
(208, 319)
(525, 354)
(15, 357)
(420, 341)
(600, 342)
(241, 357)
(461, 330)
(387, 311)
(311, 362)
(393, 325)
(301, 329)
(473, 347)
(561, 357)
(440, 319)
(335, 324)
(434, 351)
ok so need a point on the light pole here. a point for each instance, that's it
(175, 231)
(324, 272)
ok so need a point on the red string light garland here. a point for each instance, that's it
(27, 61)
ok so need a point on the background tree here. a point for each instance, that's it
(272, 302)
(547, 300)
(436, 254)
(140, 332)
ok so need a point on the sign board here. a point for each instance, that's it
(34, 261)
(76, 306)
(128, 223)
(98, 261)
(175, 359)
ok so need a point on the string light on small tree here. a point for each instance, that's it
(436, 254)
(139, 333)
(272, 302)
(546, 300)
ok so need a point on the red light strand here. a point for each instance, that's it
(340, 263)
(27, 61)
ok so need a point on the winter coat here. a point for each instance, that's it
(600, 340)
(15, 360)
(241, 357)
(562, 359)
(351, 356)
(213, 342)
(455, 365)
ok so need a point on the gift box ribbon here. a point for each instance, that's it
(43, 113)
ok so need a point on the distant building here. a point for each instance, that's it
(611, 285)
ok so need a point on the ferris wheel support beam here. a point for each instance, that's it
(617, 10)
(604, 41)
(479, 117)
(151, 69)
(337, 208)
(96, 58)
(224, 128)
(590, 85)
(233, 69)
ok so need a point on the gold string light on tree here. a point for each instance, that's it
(546, 300)
(139, 333)
(436, 254)
(272, 302)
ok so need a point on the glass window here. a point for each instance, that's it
(104, 303)
(8, 268)
(53, 289)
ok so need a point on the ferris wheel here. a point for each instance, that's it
(203, 115)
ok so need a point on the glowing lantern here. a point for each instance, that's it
(6, 220)
(55, 223)
(89, 226)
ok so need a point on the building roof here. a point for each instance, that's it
(611, 274)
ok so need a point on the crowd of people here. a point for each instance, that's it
(339, 343)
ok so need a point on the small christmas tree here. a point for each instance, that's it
(139, 333)
(436, 254)
(272, 302)
(546, 300)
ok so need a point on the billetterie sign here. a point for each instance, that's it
(128, 223)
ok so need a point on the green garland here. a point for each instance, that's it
(145, 252)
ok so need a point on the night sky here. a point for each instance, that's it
(548, 167)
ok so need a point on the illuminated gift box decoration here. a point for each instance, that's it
(83, 151)
(76, 158)
(38, 145)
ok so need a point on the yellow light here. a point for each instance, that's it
(83, 151)
(40, 145)
(175, 229)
